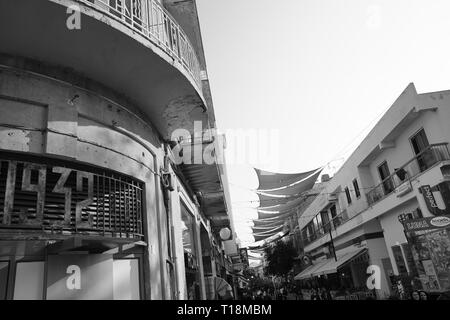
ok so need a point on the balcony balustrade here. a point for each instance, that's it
(151, 20)
(423, 161)
(324, 229)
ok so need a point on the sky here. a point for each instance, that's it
(306, 80)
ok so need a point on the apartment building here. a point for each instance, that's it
(385, 211)
(92, 203)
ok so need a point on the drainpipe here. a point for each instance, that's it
(171, 228)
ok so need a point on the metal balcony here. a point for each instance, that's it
(131, 52)
(429, 157)
(151, 20)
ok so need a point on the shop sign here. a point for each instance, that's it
(427, 223)
(51, 196)
(430, 201)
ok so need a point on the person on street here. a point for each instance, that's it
(315, 294)
(423, 295)
(415, 295)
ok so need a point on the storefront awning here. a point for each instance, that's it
(329, 266)
(332, 266)
(307, 273)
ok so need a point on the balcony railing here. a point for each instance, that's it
(324, 229)
(423, 161)
(151, 20)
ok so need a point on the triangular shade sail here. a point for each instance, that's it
(272, 238)
(263, 229)
(274, 216)
(298, 203)
(264, 223)
(271, 180)
(288, 194)
(295, 188)
(269, 232)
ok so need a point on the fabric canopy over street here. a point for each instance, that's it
(283, 196)
(271, 180)
(294, 203)
(269, 223)
(266, 228)
(332, 266)
(280, 195)
(269, 232)
(272, 238)
(273, 217)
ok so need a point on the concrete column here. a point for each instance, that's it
(200, 259)
(178, 252)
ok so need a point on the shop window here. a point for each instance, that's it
(190, 255)
(4, 271)
(29, 280)
(417, 214)
(399, 260)
(356, 188)
(126, 279)
(410, 259)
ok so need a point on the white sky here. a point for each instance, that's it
(318, 73)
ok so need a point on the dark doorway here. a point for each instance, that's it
(384, 173)
(420, 145)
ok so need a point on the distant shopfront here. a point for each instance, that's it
(429, 241)
(344, 275)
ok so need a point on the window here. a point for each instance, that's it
(126, 279)
(347, 193)
(29, 281)
(420, 145)
(356, 188)
(318, 224)
(383, 171)
(399, 260)
(417, 213)
(4, 271)
(325, 220)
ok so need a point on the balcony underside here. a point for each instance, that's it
(105, 51)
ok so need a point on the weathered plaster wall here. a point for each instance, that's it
(50, 118)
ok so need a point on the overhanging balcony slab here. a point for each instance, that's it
(106, 51)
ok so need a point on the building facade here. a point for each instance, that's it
(367, 233)
(92, 203)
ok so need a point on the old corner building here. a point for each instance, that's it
(388, 206)
(92, 203)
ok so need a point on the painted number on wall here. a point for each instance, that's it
(40, 189)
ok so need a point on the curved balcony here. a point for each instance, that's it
(151, 20)
(133, 47)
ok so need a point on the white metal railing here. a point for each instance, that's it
(421, 162)
(151, 20)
